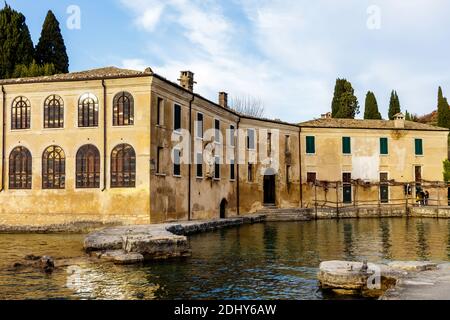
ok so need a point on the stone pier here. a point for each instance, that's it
(134, 244)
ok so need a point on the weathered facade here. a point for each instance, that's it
(99, 146)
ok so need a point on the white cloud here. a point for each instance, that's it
(289, 53)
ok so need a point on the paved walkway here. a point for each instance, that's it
(425, 285)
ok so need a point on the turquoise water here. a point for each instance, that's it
(261, 261)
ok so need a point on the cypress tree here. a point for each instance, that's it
(51, 48)
(16, 46)
(394, 105)
(371, 107)
(345, 104)
(338, 91)
(443, 111)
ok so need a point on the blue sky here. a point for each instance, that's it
(287, 53)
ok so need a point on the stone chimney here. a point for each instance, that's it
(223, 99)
(399, 120)
(187, 80)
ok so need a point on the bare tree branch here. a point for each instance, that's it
(249, 106)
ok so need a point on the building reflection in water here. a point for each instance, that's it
(348, 241)
(385, 232)
(423, 250)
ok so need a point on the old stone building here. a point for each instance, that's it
(120, 146)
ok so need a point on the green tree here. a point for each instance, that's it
(51, 48)
(345, 104)
(371, 107)
(443, 110)
(446, 170)
(16, 46)
(338, 91)
(33, 70)
(394, 105)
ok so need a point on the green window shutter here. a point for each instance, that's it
(346, 145)
(419, 147)
(310, 145)
(384, 149)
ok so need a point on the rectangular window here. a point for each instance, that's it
(232, 143)
(269, 144)
(311, 177)
(160, 112)
(176, 117)
(159, 160)
(347, 187)
(384, 147)
(384, 187)
(310, 145)
(250, 172)
(176, 162)
(232, 168)
(217, 131)
(346, 145)
(251, 139)
(216, 167)
(419, 147)
(200, 125)
(199, 165)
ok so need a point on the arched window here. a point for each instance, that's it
(54, 112)
(88, 167)
(123, 167)
(123, 109)
(53, 168)
(88, 111)
(20, 164)
(20, 114)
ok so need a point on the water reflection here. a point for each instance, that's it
(261, 261)
(386, 239)
(422, 245)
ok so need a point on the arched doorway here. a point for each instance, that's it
(269, 187)
(223, 209)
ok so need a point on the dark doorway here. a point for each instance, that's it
(269, 189)
(223, 209)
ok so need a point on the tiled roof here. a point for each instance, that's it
(366, 124)
(101, 73)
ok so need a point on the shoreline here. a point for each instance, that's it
(274, 215)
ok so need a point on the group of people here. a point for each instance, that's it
(422, 197)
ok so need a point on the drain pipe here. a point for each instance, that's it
(190, 156)
(3, 137)
(237, 171)
(300, 164)
(104, 135)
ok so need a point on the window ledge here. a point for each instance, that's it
(160, 174)
(177, 176)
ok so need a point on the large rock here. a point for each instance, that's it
(413, 265)
(98, 241)
(122, 257)
(355, 278)
(157, 247)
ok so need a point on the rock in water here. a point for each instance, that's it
(47, 264)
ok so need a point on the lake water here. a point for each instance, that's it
(261, 261)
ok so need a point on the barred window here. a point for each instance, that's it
(20, 113)
(20, 168)
(54, 112)
(53, 168)
(88, 111)
(123, 167)
(123, 109)
(88, 167)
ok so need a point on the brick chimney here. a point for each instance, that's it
(223, 99)
(187, 80)
(399, 121)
